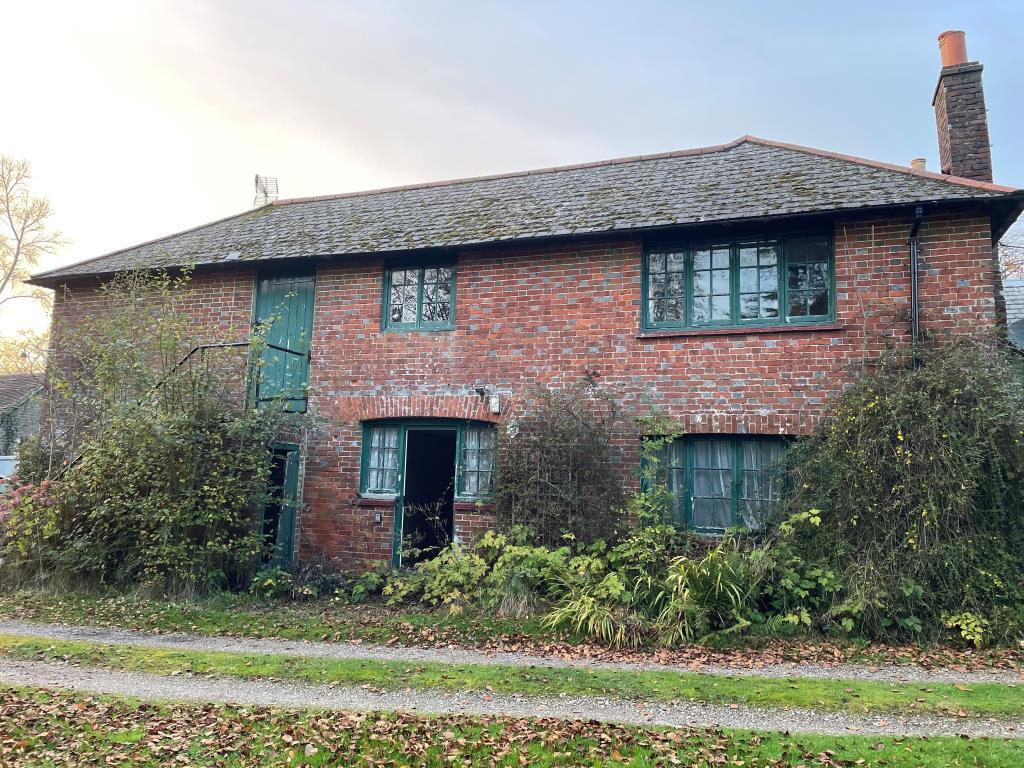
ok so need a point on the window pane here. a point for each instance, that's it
(768, 254)
(769, 304)
(818, 304)
(674, 309)
(656, 262)
(701, 309)
(676, 284)
(797, 303)
(748, 280)
(749, 306)
(720, 257)
(797, 276)
(761, 479)
(712, 483)
(720, 282)
(720, 308)
(676, 261)
(769, 279)
(701, 283)
(408, 304)
(656, 310)
(712, 513)
(656, 287)
(817, 275)
(712, 454)
(395, 304)
(808, 249)
(702, 259)
(748, 255)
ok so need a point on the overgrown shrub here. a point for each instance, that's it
(158, 469)
(917, 479)
(557, 468)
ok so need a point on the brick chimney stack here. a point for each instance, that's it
(960, 112)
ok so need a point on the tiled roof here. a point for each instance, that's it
(15, 387)
(747, 178)
(1013, 292)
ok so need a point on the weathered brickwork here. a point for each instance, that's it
(552, 314)
(962, 123)
(217, 304)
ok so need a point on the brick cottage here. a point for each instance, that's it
(732, 287)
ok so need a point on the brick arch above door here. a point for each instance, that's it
(363, 408)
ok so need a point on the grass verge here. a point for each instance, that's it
(988, 700)
(55, 728)
(247, 616)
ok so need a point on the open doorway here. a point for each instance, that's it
(277, 523)
(427, 503)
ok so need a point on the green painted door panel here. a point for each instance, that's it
(285, 544)
(284, 307)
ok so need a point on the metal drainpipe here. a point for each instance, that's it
(915, 304)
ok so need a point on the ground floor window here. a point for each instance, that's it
(720, 482)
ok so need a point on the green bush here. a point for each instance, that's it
(557, 467)
(157, 468)
(166, 500)
(917, 479)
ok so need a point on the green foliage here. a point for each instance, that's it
(170, 467)
(917, 479)
(654, 502)
(273, 583)
(556, 467)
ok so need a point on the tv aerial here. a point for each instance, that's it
(266, 190)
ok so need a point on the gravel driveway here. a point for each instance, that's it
(180, 641)
(678, 714)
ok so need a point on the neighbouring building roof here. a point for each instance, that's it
(749, 178)
(1013, 292)
(16, 387)
(19, 409)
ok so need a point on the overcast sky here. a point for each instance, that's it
(143, 118)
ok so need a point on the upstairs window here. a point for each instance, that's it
(743, 282)
(720, 482)
(419, 298)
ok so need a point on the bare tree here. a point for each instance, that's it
(1011, 254)
(24, 234)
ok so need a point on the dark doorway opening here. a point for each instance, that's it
(277, 523)
(427, 514)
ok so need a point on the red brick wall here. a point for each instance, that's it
(552, 314)
(217, 304)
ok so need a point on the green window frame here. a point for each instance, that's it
(741, 282)
(419, 298)
(478, 459)
(722, 481)
(383, 456)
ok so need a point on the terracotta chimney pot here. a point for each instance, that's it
(953, 47)
(918, 163)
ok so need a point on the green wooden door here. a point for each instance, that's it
(285, 543)
(284, 311)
